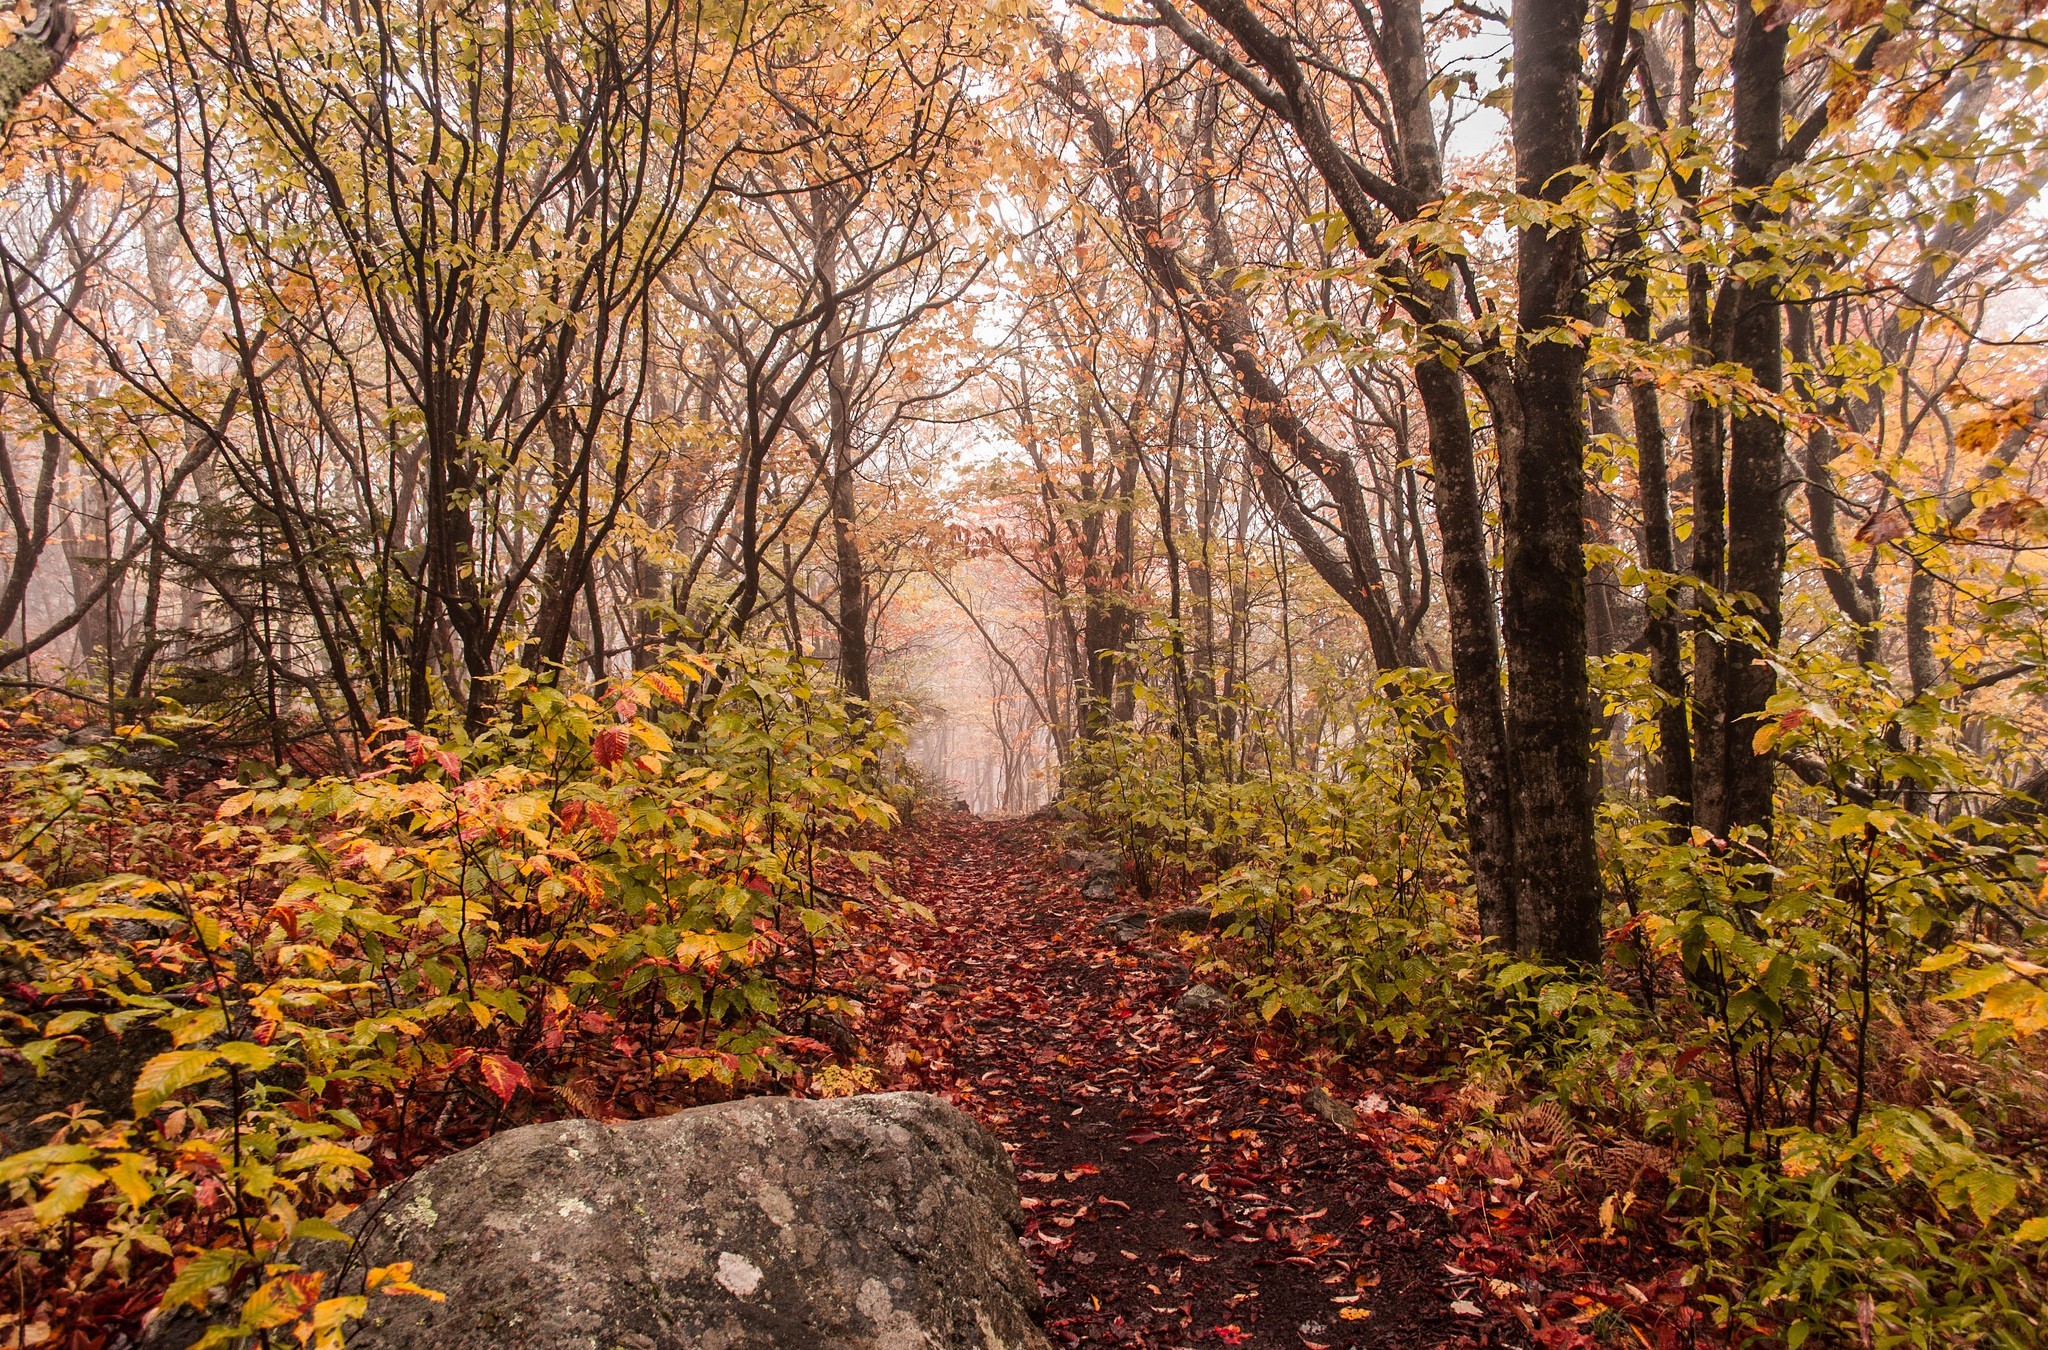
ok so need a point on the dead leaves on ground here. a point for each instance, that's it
(1178, 1189)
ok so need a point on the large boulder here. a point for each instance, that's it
(884, 1222)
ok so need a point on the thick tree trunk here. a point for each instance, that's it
(1756, 448)
(1460, 513)
(1549, 717)
(850, 621)
(1475, 650)
(852, 608)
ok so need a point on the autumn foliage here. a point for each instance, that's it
(605, 908)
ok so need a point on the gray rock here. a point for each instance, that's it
(1187, 919)
(1200, 998)
(100, 1075)
(1127, 926)
(1093, 861)
(871, 1222)
(1099, 888)
(1330, 1109)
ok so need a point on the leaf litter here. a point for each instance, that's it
(1187, 1179)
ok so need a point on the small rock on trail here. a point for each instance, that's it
(1186, 919)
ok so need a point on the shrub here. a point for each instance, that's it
(598, 904)
(1819, 1051)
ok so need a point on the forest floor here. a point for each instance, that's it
(1180, 1187)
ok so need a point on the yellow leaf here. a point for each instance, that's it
(248, 1055)
(323, 1153)
(2018, 1002)
(198, 1025)
(70, 1188)
(128, 1178)
(396, 1278)
(323, 1329)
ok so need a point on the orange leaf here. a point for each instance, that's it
(1884, 527)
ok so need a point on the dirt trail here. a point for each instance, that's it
(1179, 1192)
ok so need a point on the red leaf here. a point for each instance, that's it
(608, 747)
(2004, 517)
(450, 765)
(1884, 527)
(503, 1077)
(805, 1045)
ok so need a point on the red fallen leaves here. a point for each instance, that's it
(1177, 1191)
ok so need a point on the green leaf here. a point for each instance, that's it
(169, 1073)
(38, 1160)
(318, 1230)
(203, 1274)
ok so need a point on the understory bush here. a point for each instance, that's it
(1816, 1056)
(602, 904)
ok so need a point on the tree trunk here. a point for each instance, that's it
(1549, 722)
(1756, 448)
(1672, 772)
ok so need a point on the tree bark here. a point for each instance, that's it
(1549, 716)
(1756, 444)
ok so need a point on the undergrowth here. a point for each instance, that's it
(1814, 1059)
(604, 906)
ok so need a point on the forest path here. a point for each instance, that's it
(1178, 1191)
